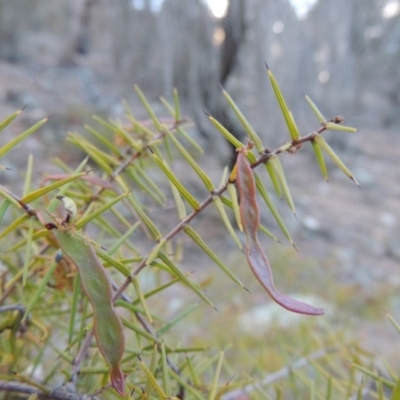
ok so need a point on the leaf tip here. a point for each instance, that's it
(356, 182)
(117, 381)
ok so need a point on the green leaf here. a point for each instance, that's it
(142, 129)
(3, 209)
(122, 239)
(320, 159)
(337, 127)
(176, 105)
(376, 376)
(154, 252)
(318, 114)
(267, 232)
(140, 332)
(114, 128)
(111, 261)
(203, 245)
(234, 199)
(217, 373)
(188, 387)
(160, 288)
(328, 150)
(100, 137)
(180, 205)
(168, 106)
(151, 184)
(74, 307)
(142, 299)
(175, 270)
(178, 127)
(15, 224)
(164, 329)
(130, 307)
(164, 364)
(152, 370)
(42, 191)
(101, 157)
(28, 259)
(227, 135)
(28, 175)
(220, 207)
(293, 130)
(35, 236)
(7, 121)
(172, 178)
(10, 197)
(147, 222)
(150, 111)
(282, 180)
(10, 145)
(396, 391)
(83, 221)
(247, 127)
(40, 289)
(394, 323)
(201, 174)
(183, 133)
(269, 165)
(264, 194)
(153, 381)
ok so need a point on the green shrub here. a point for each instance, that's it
(79, 315)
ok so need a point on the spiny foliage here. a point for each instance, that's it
(47, 323)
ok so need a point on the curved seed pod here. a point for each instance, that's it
(107, 325)
(256, 258)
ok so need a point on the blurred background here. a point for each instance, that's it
(73, 58)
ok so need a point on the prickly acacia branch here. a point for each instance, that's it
(264, 156)
(290, 147)
(132, 157)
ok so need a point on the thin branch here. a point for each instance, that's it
(81, 356)
(262, 159)
(13, 307)
(62, 393)
(280, 374)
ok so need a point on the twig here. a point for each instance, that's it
(262, 159)
(280, 374)
(81, 355)
(13, 307)
(62, 393)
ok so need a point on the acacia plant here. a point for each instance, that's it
(76, 319)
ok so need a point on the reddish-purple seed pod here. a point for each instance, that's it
(255, 255)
